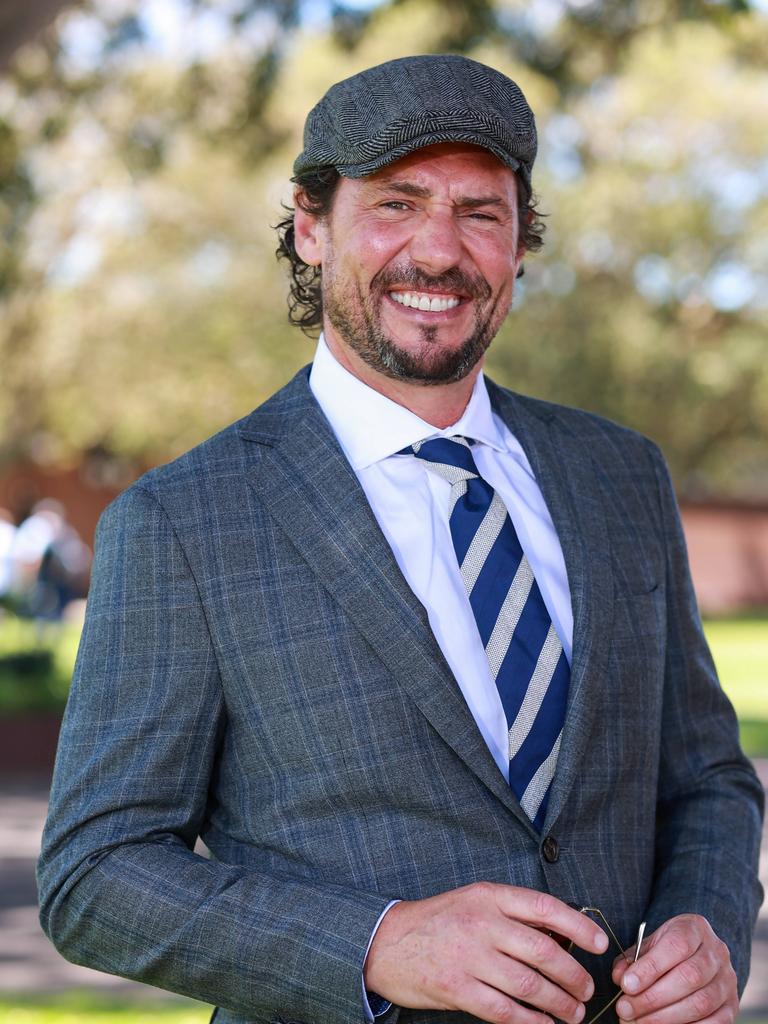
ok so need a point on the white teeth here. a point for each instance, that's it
(420, 300)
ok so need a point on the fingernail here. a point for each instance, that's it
(601, 942)
(630, 983)
(578, 1013)
(624, 1010)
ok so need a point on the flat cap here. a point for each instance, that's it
(383, 113)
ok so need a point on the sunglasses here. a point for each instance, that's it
(595, 912)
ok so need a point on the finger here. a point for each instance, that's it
(696, 1007)
(683, 981)
(625, 960)
(549, 913)
(530, 987)
(537, 949)
(489, 1004)
(665, 951)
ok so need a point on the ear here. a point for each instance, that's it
(519, 257)
(521, 249)
(308, 235)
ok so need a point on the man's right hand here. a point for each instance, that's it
(484, 949)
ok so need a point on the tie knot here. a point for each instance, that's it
(450, 457)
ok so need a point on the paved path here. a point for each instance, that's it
(30, 964)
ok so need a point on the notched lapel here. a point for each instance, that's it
(566, 475)
(306, 484)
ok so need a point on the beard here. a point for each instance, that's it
(358, 321)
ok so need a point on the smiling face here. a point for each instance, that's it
(418, 263)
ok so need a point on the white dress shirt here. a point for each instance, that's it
(411, 506)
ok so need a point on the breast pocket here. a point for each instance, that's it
(639, 615)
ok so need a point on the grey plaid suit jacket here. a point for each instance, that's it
(255, 671)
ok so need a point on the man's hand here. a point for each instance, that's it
(482, 948)
(684, 974)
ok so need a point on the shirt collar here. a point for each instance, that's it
(370, 427)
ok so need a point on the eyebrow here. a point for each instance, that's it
(408, 188)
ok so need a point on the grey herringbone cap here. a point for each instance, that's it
(380, 115)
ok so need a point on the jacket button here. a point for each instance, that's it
(551, 849)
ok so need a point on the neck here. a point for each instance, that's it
(440, 405)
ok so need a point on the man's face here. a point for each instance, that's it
(419, 262)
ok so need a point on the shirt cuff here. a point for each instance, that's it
(373, 1005)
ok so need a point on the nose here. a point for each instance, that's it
(436, 244)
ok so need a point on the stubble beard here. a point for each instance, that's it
(358, 322)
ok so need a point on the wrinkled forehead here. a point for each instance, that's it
(448, 168)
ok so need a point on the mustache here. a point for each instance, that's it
(453, 280)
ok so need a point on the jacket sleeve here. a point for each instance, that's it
(710, 807)
(121, 888)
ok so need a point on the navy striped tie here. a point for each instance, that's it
(524, 652)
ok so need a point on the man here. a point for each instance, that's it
(417, 657)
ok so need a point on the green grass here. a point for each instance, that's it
(36, 663)
(79, 1006)
(740, 649)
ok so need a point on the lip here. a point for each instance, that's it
(438, 292)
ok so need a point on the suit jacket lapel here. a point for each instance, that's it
(568, 480)
(307, 485)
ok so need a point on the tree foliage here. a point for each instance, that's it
(142, 166)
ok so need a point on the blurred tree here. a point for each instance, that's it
(649, 302)
(148, 149)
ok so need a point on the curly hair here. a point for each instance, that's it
(316, 191)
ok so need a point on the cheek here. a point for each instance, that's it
(495, 260)
(370, 250)
(503, 265)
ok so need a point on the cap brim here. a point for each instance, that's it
(362, 170)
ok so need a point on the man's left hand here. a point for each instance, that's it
(684, 974)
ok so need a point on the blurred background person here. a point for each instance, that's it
(48, 563)
(7, 536)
